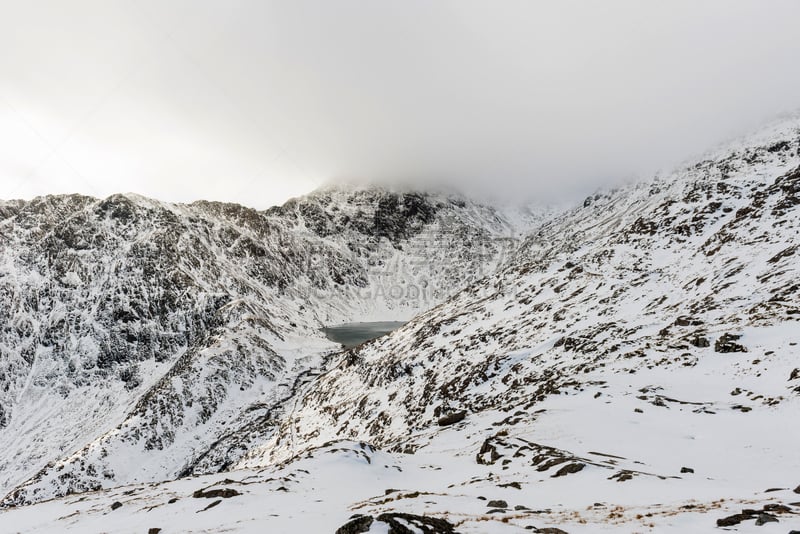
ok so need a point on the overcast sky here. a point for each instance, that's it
(256, 101)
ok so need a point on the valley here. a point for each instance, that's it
(627, 364)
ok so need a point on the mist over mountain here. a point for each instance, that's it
(255, 102)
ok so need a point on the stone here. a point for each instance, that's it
(763, 519)
(225, 493)
(356, 525)
(426, 524)
(732, 520)
(727, 343)
(569, 469)
(499, 503)
(212, 505)
(453, 418)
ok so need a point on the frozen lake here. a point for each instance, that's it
(353, 334)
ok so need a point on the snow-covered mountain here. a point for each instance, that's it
(632, 365)
(137, 334)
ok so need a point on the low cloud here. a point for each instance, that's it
(255, 101)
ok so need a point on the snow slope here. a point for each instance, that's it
(657, 323)
(632, 366)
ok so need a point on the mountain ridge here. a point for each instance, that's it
(592, 368)
(199, 285)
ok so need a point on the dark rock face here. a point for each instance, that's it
(497, 504)
(452, 418)
(212, 505)
(357, 525)
(225, 493)
(763, 519)
(732, 520)
(397, 524)
(767, 514)
(428, 525)
(400, 216)
(570, 469)
(378, 213)
(727, 343)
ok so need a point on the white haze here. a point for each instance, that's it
(256, 101)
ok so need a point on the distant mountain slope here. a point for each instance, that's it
(134, 333)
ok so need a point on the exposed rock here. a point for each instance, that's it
(622, 476)
(428, 525)
(569, 469)
(210, 506)
(225, 493)
(356, 525)
(688, 321)
(115, 505)
(452, 418)
(763, 519)
(732, 520)
(726, 343)
(499, 503)
(687, 470)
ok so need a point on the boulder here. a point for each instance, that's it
(452, 418)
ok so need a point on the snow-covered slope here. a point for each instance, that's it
(655, 274)
(137, 334)
(656, 324)
(633, 366)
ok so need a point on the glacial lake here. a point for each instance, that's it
(353, 334)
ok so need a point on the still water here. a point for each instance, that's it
(353, 334)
